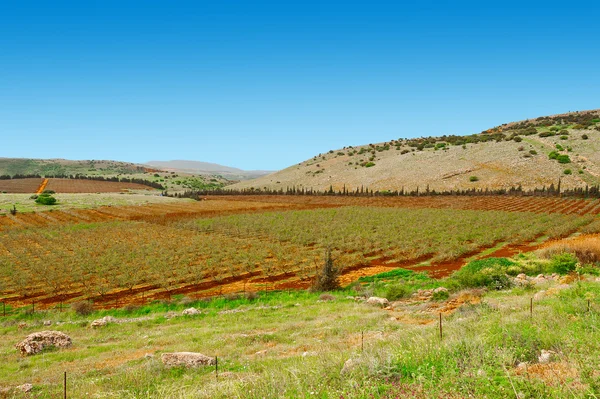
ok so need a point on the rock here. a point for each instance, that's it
(98, 323)
(568, 279)
(190, 312)
(148, 356)
(381, 302)
(36, 342)
(541, 276)
(103, 321)
(440, 289)
(261, 353)
(521, 276)
(21, 325)
(47, 323)
(522, 365)
(25, 388)
(546, 356)
(187, 359)
(350, 365)
(305, 354)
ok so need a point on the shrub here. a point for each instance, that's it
(45, 199)
(82, 308)
(533, 152)
(473, 178)
(567, 171)
(369, 164)
(563, 159)
(564, 137)
(440, 295)
(584, 136)
(397, 291)
(517, 139)
(563, 263)
(327, 297)
(559, 147)
(553, 155)
(327, 279)
(546, 134)
(490, 272)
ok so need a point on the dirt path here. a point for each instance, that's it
(42, 187)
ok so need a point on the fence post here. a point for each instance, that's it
(441, 331)
(65, 385)
(362, 341)
(531, 308)
(217, 368)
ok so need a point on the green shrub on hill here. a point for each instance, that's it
(490, 272)
(563, 263)
(45, 199)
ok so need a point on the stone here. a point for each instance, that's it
(539, 295)
(191, 312)
(187, 359)
(36, 342)
(47, 323)
(103, 321)
(546, 356)
(440, 289)
(376, 301)
(521, 276)
(25, 388)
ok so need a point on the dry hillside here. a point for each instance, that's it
(508, 155)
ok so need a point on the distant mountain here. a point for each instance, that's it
(533, 153)
(208, 168)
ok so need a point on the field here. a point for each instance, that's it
(132, 254)
(31, 186)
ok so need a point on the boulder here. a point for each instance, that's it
(103, 321)
(440, 289)
(376, 301)
(187, 359)
(190, 312)
(36, 342)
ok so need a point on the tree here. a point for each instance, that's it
(328, 278)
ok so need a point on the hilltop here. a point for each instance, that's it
(208, 168)
(532, 153)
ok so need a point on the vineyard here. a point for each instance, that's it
(119, 255)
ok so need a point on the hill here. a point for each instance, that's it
(208, 168)
(531, 153)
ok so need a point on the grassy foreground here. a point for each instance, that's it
(296, 344)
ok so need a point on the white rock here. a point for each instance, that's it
(36, 342)
(350, 365)
(191, 312)
(382, 302)
(25, 388)
(546, 356)
(187, 359)
(440, 289)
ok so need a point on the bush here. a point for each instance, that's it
(533, 152)
(490, 272)
(369, 164)
(517, 139)
(440, 295)
(564, 137)
(397, 291)
(327, 279)
(473, 178)
(563, 263)
(82, 308)
(584, 136)
(553, 155)
(563, 159)
(45, 199)
(546, 134)
(567, 171)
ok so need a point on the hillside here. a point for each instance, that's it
(208, 168)
(509, 155)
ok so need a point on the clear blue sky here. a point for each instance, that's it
(263, 85)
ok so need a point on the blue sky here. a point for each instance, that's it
(263, 85)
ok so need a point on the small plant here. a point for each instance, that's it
(533, 152)
(440, 295)
(567, 171)
(13, 211)
(82, 308)
(327, 279)
(473, 178)
(564, 137)
(584, 136)
(397, 291)
(369, 164)
(563, 159)
(563, 263)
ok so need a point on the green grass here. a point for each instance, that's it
(261, 348)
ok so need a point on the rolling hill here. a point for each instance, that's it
(208, 168)
(531, 153)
